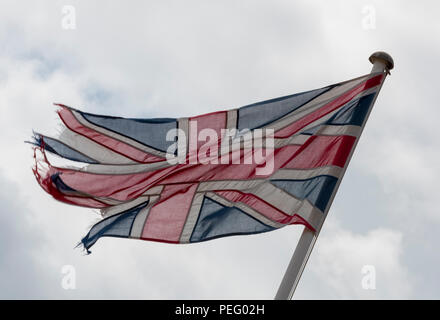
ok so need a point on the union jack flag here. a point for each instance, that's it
(125, 168)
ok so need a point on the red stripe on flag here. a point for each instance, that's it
(45, 181)
(321, 151)
(166, 219)
(263, 207)
(209, 172)
(327, 108)
(124, 187)
(215, 121)
(113, 144)
(316, 152)
(118, 187)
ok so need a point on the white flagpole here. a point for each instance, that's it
(382, 62)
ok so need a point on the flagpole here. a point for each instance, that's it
(382, 62)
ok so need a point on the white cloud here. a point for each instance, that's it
(335, 268)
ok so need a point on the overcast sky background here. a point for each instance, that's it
(182, 58)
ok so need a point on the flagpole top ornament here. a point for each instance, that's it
(382, 57)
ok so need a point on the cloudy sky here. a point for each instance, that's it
(181, 58)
